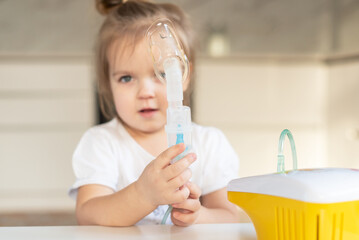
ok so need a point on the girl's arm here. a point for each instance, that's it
(160, 183)
(217, 209)
(100, 205)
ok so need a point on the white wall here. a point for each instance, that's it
(253, 101)
(47, 103)
(343, 114)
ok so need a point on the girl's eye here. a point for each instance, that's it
(125, 79)
(163, 74)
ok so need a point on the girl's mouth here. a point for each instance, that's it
(148, 112)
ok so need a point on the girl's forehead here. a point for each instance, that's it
(128, 53)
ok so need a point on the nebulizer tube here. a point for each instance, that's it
(171, 67)
(280, 163)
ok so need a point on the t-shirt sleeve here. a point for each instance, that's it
(221, 162)
(94, 162)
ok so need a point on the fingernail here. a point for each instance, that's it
(193, 157)
(180, 144)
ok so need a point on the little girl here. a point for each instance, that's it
(123, 171)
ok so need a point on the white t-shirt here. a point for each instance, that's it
(109, 156)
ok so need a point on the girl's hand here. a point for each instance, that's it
(160, 182)
(187, 212)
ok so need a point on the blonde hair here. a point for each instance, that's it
(132, 18)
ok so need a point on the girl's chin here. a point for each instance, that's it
(146, 128)
(153, 129)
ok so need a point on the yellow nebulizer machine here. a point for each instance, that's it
(302, 204)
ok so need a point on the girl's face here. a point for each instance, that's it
(139, 96)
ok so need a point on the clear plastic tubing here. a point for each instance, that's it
(281, 158)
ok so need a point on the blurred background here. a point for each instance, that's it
(263, 65)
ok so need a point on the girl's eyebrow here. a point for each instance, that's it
(121, 73)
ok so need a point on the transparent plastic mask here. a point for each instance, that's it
(164, 44)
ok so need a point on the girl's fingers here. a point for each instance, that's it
(190, 205)
(181, 180)
(184, 219)
(164, 159)
(195, 191)
(178, 167)
(178, 222)
(180, 195)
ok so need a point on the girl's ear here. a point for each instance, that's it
(188, 79)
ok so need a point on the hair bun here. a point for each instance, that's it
(105, 6)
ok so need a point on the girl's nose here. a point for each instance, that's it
(146, 88)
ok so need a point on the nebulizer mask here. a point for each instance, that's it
(171, 67)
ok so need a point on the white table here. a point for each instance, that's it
(240, 231)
